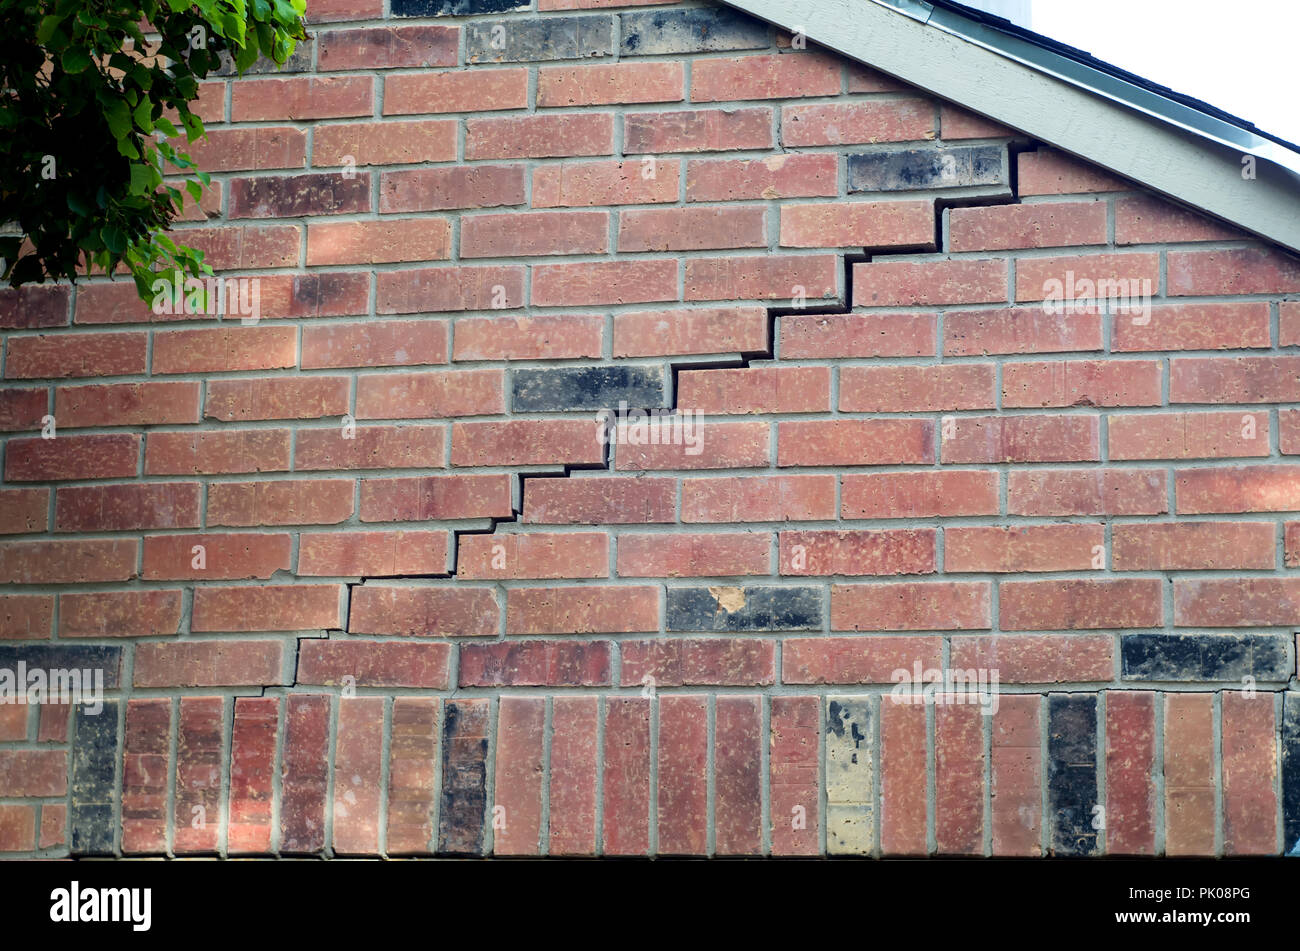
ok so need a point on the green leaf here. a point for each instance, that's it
(47, 28)
(75, 59)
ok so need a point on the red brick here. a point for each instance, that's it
(683, 784)
(413, 753)
(692, 228)
(26, 616)
(243, 150)
(702, 661)
(1130, 772)
(146, 766)
(1040, 225)
(699, 330)
(956, 123)
(24, 510)
(377, 343)
(1145, 219)
(548, 337)
(72, 457)
(200, 733)
(358, 775)
(302, 97)
(522, 442)
(793, 775)
(699, 130)
(859, 552)
(13, 722)
(1188, 435)
(1049, 172)
(409, 395)
(333, 294)
(1236, 602)
(425, 498)
(68, 562)
(24, 409)
(114, 303)
(855, 660)
(267, 608)
(224, 557)
(574, 753)
(582, 610)
(1249, 774)
(237, 248)
(252, 767)
(388, 48)
(372, 554)
(520, 769)
(903, 764)
(1019, 330)
(219, 349)
(776, 76)
(787, 175)
(1082, 383)
(958, 779)
(1080, 492)
(1239, 380)
(385, 143)
(424, 611)
(374, 663)
(371, 447)
(693, 555)
(128, 507)
(1037, 658)
(548, 663)
(209, 663)
(1288, 323)
(599, 501)
(53, 723)
(1138, 274)
(627, 776)
(127, 404)
(1175, 546)
(437, 189)
(1189, 774)
(33, 306)
(756, 390)
(906, 389)
(477, 90)
(919, 494)
(767, 277)
(1080, 605)
(604, 282)
(814, 336)
(1019, 548)
(1016, 777)
(296, 502)
(120, 614)
(449, 288)
(907, 606)
(33, 773)
(537, 555)
(993, 439)
(579, 184)
(855, 442)
(1231, 271)
(737, 775)
(783, 498)
(517, 234)
(214, 452)
(615, 84)
(378, 242)
(304, 773)
(539, 136)
(54, 824)
(718, 446)
(908, 283)
(70, 355)
(312, 397)
(1238, 489)
(850, 123)
(883, 224)
(1288, 435)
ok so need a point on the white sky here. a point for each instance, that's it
(1240, 55)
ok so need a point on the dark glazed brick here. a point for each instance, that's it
(910, 169)
(1072, 772)
(1202, 657)
(531, 41)
(662, 32)
(82, 658)
(464, 777)
(757, 608)
(588, 388)
(294, 196)
(305, 774)
(298, 62)
(454, 8)
(93, 792)
(1291, 773)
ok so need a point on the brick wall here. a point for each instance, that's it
(363, 579)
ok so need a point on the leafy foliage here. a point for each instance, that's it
(89, 112)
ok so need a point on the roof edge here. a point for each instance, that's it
(1166, 146)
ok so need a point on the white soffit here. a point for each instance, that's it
(1199, 165)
